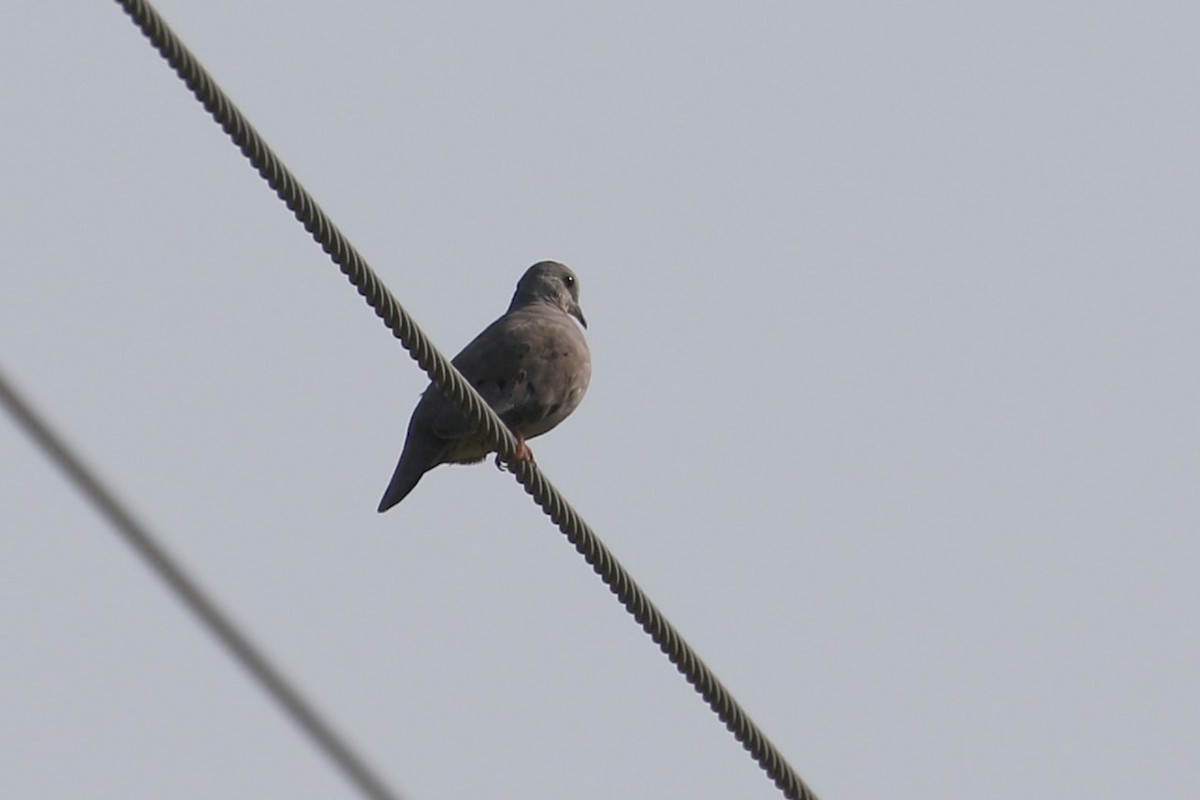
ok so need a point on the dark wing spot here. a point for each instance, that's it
(554, 409)
(532, 389)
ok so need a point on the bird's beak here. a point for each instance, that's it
(577, 312)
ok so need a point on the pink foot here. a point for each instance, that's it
(523, 453)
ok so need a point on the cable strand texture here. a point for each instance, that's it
(464, 396)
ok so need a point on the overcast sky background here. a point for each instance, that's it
(894, 319)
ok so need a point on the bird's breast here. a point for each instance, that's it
(555, 379)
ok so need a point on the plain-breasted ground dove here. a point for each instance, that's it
(532, 366)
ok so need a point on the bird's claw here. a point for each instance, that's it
(522, 453)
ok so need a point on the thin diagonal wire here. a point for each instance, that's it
(219, 624)
(464, 396)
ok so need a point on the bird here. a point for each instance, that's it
(532, 366)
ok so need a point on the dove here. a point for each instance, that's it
(532, 366)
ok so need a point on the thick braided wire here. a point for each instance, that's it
(464, 397)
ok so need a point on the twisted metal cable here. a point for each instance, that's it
(219, 624)
(464, 397)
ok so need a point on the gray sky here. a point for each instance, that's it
(894, 314)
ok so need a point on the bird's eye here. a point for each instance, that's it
(569, 280)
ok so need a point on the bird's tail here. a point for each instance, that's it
(408, 471)
(403, 481)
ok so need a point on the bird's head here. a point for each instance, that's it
(550, 282)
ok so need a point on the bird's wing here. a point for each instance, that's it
(494, 363)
